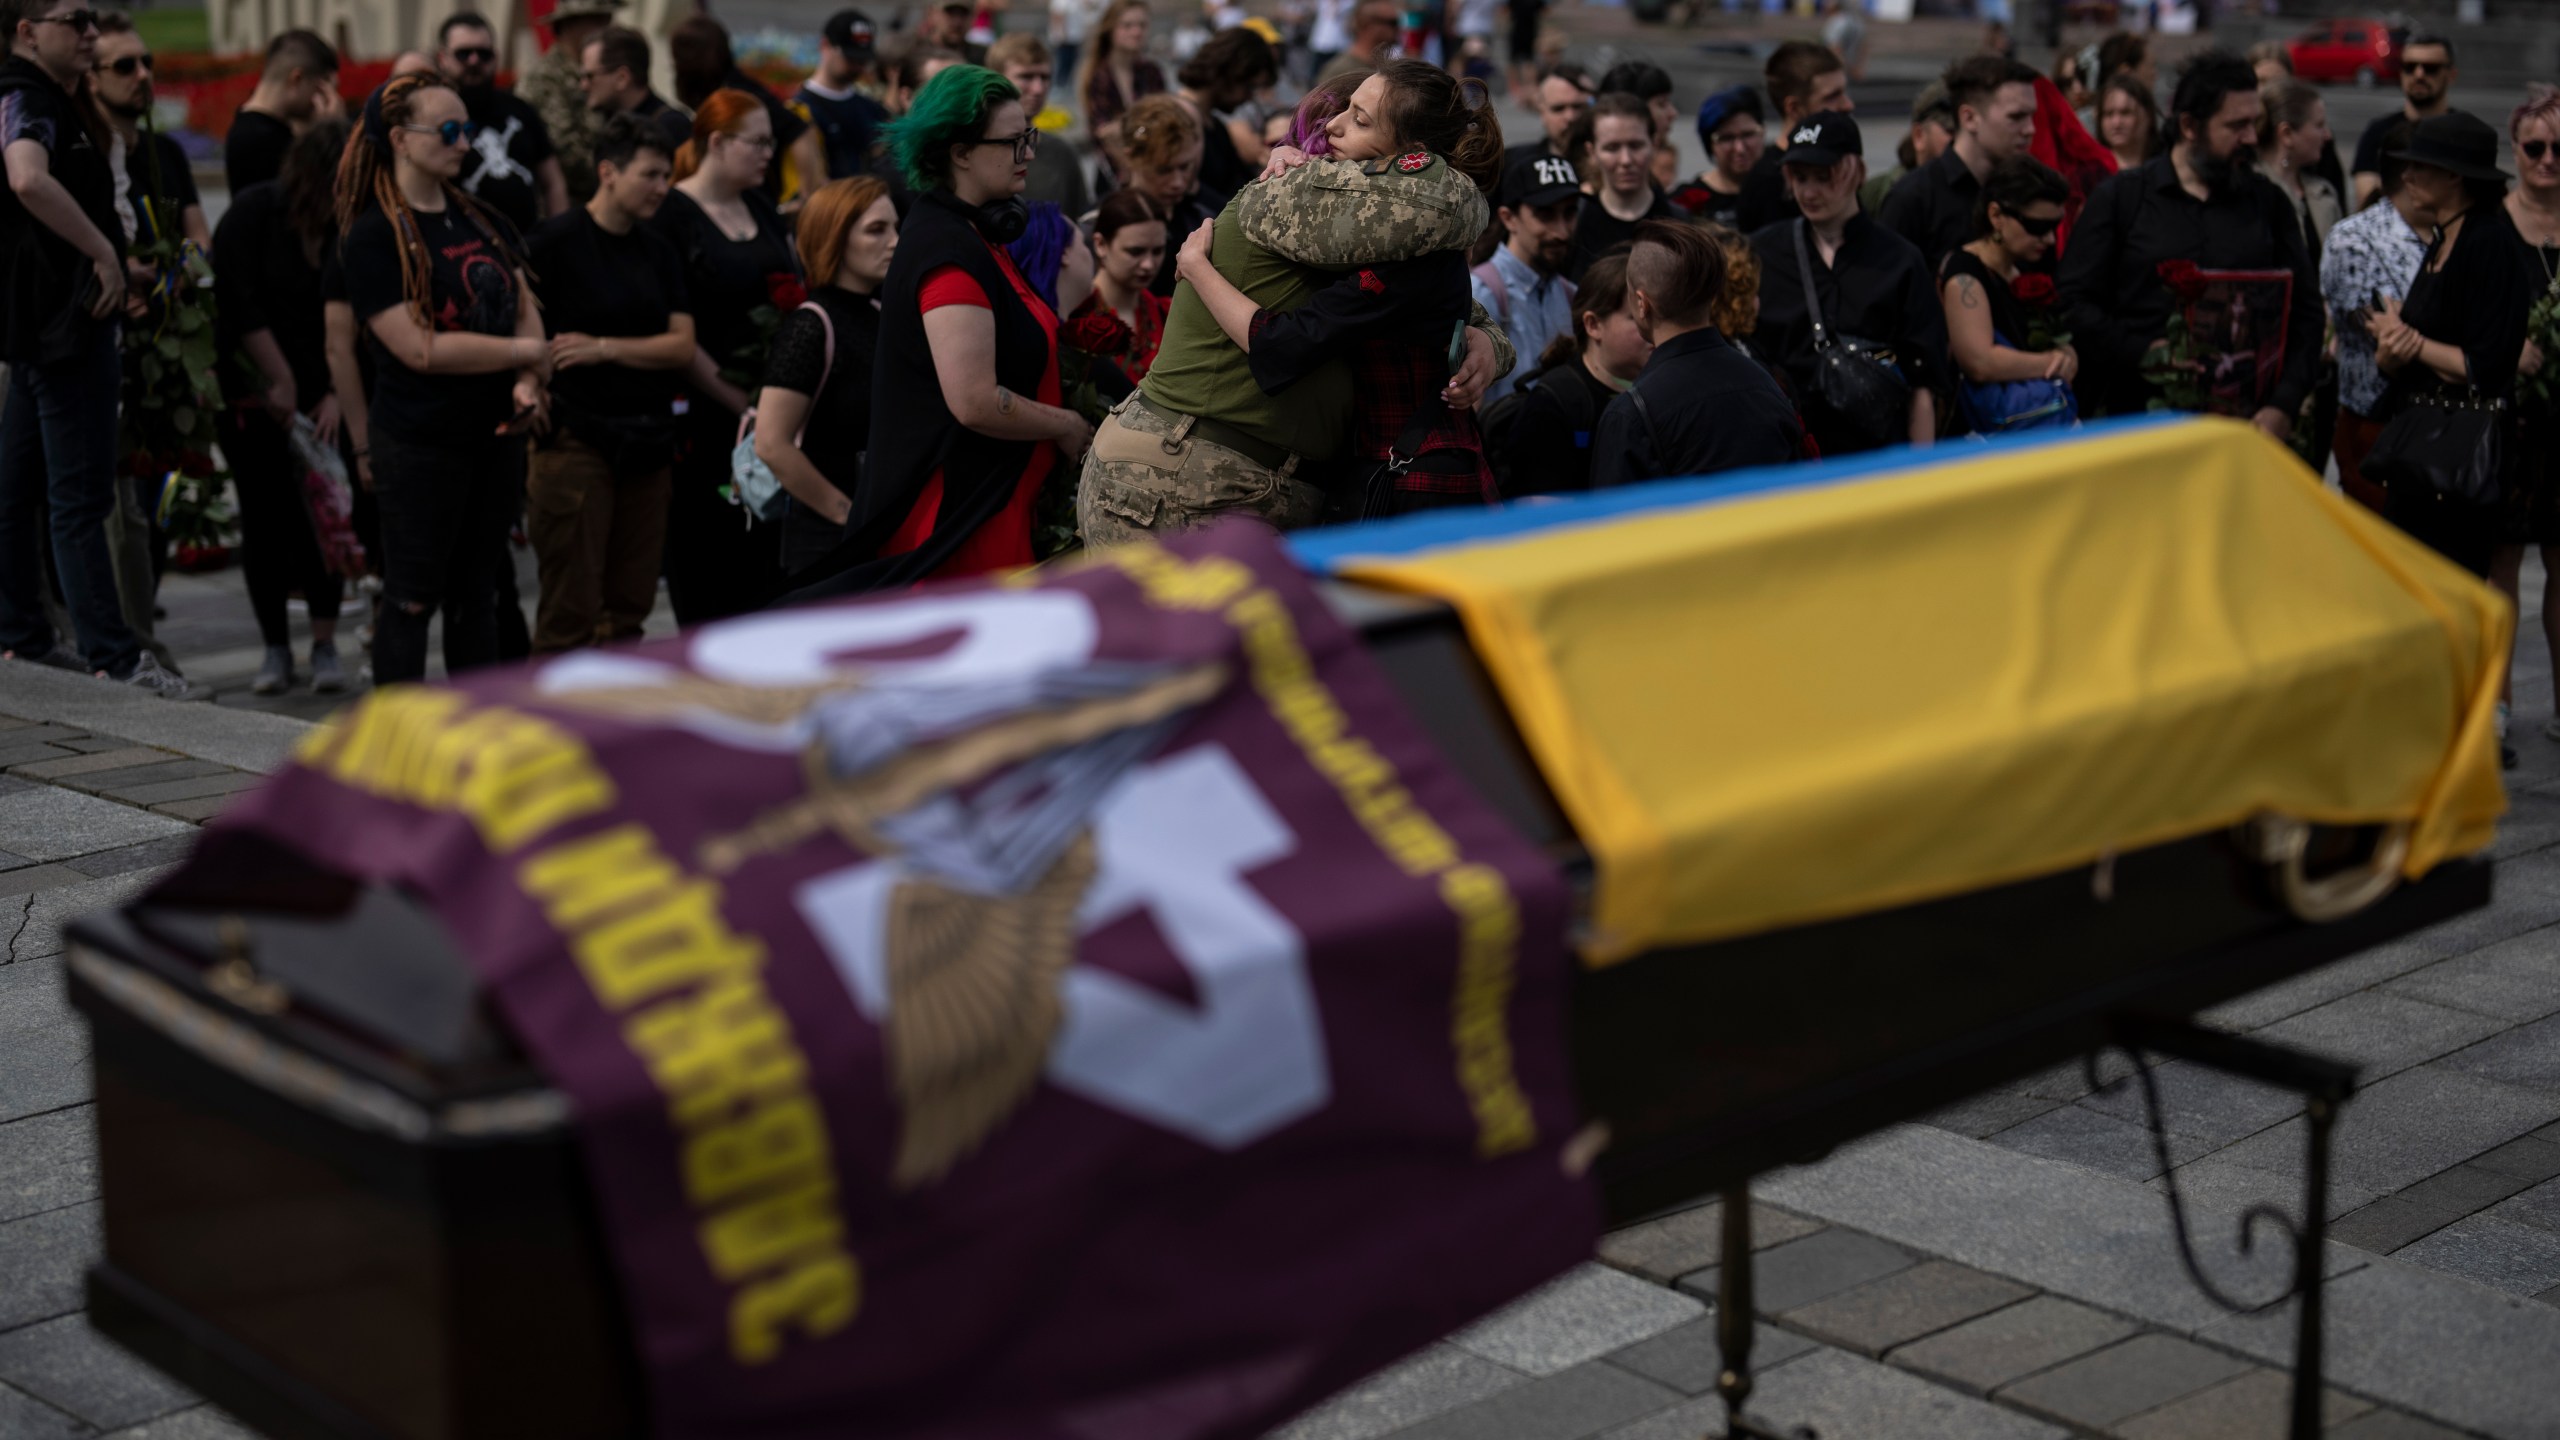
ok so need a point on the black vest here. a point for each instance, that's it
(912, 430)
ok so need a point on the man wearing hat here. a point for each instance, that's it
(1523, 286)
(2200, 202)
(553, 87)
(847, 119)
(1869, 283)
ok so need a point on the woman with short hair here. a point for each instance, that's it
(1160, 149)
(1560, 403)
(1219, 84)
(1990, 323)
(967, 359)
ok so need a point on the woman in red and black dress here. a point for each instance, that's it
(1128, 250)
(968, 358)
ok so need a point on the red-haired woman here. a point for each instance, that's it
(737, 261)
(813, 417)
(460, 366)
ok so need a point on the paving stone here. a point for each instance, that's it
(14, 751)
(2254, 1406)
(1688, 1358)
(117, 784)
(2530, 1158)
(44, 1256)
(1982, 1355)
(2392, 1425)
(48, 1161)
(2200, 1103)
(2386, 1225)
(202, 1423)
(33, 997)
(194, 812)
(99, 744)
(2084, 1136)
(50, 824)
(2426, 1342)
(1842, 1395)
(2382, 1034)
(1800, 1272)
(49, 910)
(2406, 1128)
(167, 850)
(1584, 1400)
(1922, 1300)
(2219, 1182)
(1989, 1113)
(1438, 1380)
(46, 1070)
(2510, 980)
(29, 880)
(1583, 1315)
(90, 762)
(2125, 1379)
(2497, 1252)
(203, 787)
(2538, 1207)
(12, 862)
(30, 734)
(2528, 1055)
(248, 739)
(24, 1417)
(1669, 1246)
(72, 1367)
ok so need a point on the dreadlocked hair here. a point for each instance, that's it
(367, 179)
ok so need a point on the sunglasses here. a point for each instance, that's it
(2536, 149)
(1023, 141)
(451, 132)
(2423, 67)
(2040, 229)
(76, 19)
(476, 55)
(128, 64)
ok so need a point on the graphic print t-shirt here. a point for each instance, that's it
(508, 149)
(471, 290)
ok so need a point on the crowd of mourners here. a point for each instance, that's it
(901, 324)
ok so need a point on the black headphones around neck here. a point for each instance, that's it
(1001, 222)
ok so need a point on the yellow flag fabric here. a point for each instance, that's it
(1786, 702)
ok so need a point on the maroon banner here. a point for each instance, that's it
(1075, 1006)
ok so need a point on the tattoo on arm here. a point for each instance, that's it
(1968, 292)
(1004, 401)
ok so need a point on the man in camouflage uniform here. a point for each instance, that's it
(1200, 438)
(552, 86)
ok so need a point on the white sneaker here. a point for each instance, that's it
(148, 675)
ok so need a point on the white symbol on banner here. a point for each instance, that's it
(1176, 840)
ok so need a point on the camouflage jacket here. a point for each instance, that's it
(551, 86)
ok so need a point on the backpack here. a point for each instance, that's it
(757, 488)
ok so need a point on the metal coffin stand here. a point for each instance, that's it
(340, 1203)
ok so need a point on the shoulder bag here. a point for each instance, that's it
(758, 490)
(2449, 444)
(1856, 379)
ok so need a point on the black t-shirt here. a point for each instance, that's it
(727, 279)
(847, 123)
(502, 170)
(2388, 132)
(595, 282)
(44, 269)
(471, 289)
(671, 122)
(839, 427)
(264, 280)
(1550, 443)
(1933, 207)
(253, 153)
(1221, 168)
(1595, 230)
(2008, 314)
(176, 191)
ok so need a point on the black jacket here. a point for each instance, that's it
(1876, 288)
(1700, 406)
(2116, 303)
(1932, 207)
(979, 472)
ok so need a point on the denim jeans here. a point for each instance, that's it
(57, 473)
(445, 513)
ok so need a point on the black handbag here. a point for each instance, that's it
(2446, 444)
(1857, 379)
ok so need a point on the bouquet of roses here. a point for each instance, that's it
(2175, 368)
(784, 293)
(2036, 294)
(2542, 327)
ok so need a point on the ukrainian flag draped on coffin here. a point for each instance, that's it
(1784, 697)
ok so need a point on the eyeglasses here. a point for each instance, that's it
(752, 142)
(451, 132)
(1023, 141)
(2423, 67)
(476, 55)
(2536, 149)
(1736, 137)
(76, 19)
(128, 64)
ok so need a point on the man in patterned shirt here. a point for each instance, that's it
(2372, 253)
(558, 94)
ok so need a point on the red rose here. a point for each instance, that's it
(2184, 278)
(785, 291)
(2033, 289)
(1096, 334)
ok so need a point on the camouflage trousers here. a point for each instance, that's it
(1147, 474)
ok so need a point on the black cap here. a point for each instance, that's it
(1824, 138)
(1538, 179)
(851, 32)
(2454, 141)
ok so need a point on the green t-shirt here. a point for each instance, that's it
(1199, 371)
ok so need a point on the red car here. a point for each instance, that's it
(2363, 51)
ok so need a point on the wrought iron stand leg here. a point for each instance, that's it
(2318, 1115)
(1733, 1309)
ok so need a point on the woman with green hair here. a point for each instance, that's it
(965, 392)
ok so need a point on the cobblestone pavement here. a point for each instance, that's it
(2004, 1270)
